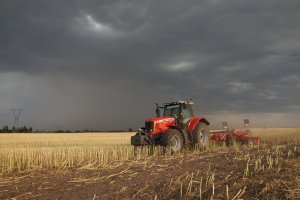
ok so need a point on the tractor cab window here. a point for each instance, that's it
(173, 110)
(187, 113)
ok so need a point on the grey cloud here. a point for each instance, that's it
(235, 57)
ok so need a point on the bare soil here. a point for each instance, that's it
(170, 177)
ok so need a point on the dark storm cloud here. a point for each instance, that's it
(236, 57)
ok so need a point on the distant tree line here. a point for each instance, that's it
(86, 131)
(22, 129)
(25, 129)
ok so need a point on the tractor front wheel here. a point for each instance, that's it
(172, 139)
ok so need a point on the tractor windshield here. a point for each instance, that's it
(173, 110)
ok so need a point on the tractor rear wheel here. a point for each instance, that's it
(201, 134)
(172, 139)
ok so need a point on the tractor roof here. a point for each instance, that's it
(178, 103)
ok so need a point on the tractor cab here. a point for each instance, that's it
(182, 111)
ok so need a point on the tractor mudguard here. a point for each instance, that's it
(194, 121)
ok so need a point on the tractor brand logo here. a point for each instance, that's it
(167, 120)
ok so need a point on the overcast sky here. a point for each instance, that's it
(103, 64)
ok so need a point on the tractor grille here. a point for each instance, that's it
(149, 126)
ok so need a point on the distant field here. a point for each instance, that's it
(104, 166)
(20, 152)
(279, 134)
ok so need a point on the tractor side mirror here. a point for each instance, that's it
(157, 112)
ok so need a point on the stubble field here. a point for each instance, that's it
(104, 166)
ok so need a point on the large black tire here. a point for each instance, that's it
(198, 134)
(173, 140)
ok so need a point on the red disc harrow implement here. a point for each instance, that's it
(235, 135)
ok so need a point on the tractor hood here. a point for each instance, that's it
(159, 125)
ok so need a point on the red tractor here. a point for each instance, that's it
(177, 127)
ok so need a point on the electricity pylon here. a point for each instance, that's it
(16, 116)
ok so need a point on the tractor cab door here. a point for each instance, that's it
(187, 113)
(173, 110)
(181, 112)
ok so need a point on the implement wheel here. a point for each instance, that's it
(230, 141)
